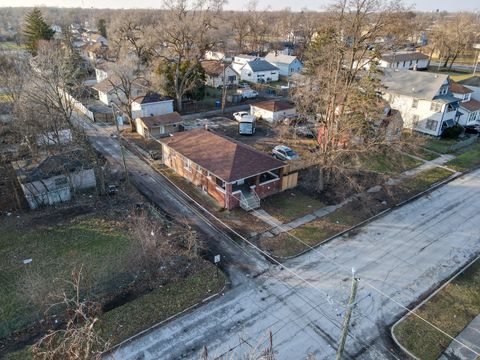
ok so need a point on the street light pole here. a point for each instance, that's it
(121, 145)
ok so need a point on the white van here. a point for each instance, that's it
(246, 126)
(247, 93)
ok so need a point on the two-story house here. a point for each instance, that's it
(287, 64)
(215, 71)
(254, 69)
(423, 99)
(469, 107)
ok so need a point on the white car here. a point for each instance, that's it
(283, 152)
(239, 115)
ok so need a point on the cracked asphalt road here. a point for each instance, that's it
(404, 254)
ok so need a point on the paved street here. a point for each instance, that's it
(404, 254)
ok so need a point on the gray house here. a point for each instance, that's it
(287, 64)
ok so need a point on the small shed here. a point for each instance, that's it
(159, 125)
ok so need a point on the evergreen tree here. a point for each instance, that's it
(102, 27)
(35, 29)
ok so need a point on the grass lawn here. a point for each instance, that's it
(441, 146)
(388, 163)
(451, 309)
(127, 320)
(11, 46)
(290, 205)
(5, 98)
(425, 179)
(469, 158)
(460, 77)
(55, 251)
(311, 234)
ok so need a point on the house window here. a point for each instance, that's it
(187, 164)
(443, 90)
(273, 73)
(465, 97)
(414, 103)
(472, 117)
(431, 125)
(436, 107)
(404, 63)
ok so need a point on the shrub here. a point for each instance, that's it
(452, 132)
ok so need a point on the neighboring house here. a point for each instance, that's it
(110, 89)
(93, 37)
(404, 61)
(273, 110)
(55, 178)
(217, 55)
(59, 137)
(254, 69)
(232, 173)
(469, 108)
(159, 125)
(94, 51)
(101, 71)
(423, 99)
(473, 83)
(286, 64)
(214, 71)
(151, 104)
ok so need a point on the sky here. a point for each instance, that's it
(421, 5)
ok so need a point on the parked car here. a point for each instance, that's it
(283, 152)
(239, 115)
(243, 85)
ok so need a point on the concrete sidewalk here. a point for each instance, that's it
(470, 336)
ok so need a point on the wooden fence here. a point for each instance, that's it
(77, 105)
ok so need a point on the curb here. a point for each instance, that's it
(434, 186)
(435, 292)
(111, 352)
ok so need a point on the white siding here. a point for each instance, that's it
(152, 109)
(271, 116)
(248, 75)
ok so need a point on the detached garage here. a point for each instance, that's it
(273, 110)
(158, 126)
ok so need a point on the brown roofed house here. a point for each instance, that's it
(214, 70)
(231, 172)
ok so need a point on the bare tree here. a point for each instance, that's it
(78, 339)
(185, 37)
(337, 93)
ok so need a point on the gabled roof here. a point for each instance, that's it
(159, 120)
(471, 105)
(226, 158)
(457, 88)
(407, 56)
(213, 67)
(151, 97)
(273, 57)
(274, 105)
(417, 84)
(471, 81)
(261, 65)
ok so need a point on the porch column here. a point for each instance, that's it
(228, 193)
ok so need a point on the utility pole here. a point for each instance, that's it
(121, 145)
(224, 88)
(348, 315)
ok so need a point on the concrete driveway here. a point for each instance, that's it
(403, 254)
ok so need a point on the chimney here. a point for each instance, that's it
(206, 127)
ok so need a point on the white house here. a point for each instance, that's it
(473, 83)
(110, 89)
(469, 108)
(254, 69)
(273, 110)
(217, 55)
(423, 99)
(287, 64)
(404, 60)
(214, 71)
(151, 104)
(101, 71)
